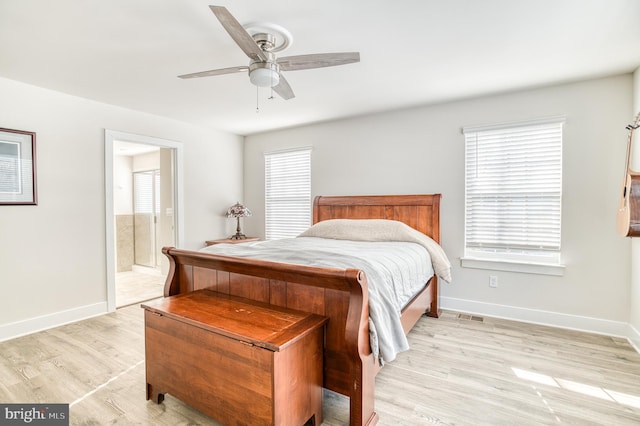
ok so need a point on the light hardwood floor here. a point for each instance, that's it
(461, 370)
(138, 285)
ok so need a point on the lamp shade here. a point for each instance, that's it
(238, 210)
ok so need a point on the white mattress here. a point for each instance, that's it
(395, 271)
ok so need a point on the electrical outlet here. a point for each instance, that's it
(493, 281)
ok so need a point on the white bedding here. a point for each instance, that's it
(395, 271)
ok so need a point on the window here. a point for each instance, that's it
(287, 193)
(513, 191)
(146, 192)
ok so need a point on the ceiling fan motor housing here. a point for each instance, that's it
(266, 41)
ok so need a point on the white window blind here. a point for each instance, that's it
(146, 190)
(514, 190)
(287, 193)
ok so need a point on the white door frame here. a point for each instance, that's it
(110, 137)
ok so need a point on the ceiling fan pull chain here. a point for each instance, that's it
(273, 70)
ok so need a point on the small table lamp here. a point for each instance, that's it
(238, 210)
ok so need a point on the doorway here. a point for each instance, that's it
(143, 201)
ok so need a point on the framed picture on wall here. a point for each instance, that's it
(17, 167)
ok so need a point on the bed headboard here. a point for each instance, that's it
(421, 212)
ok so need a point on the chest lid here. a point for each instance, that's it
(259, 324)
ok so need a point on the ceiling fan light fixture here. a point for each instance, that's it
(264, 76)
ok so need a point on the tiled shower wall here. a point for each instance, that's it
(124, 242)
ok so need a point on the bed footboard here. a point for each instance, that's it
(340, 295)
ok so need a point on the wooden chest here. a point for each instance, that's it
(239, 361)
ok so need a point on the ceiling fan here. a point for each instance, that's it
(264, 67)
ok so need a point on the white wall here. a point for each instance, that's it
(146, 162)
(635, 244)
(421, 150)
(52, 256)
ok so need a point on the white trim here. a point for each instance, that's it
(110, 136)
(535, 316)
(56, 319)
(282, 151)
(502, 265)
(512, 124)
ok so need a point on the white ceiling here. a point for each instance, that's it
(413, 52)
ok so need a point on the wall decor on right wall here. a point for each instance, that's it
(17, 167)
(628, 217)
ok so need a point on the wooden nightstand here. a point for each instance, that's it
(230, 241)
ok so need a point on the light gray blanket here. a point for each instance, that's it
(382, 230)
(395, 272)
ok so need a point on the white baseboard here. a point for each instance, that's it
(554, 319)
(32, 325)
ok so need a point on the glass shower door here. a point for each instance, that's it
(146, 207)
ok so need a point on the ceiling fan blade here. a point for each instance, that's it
(238, 33)
(283, 89)
(215, 72)
(317, 60)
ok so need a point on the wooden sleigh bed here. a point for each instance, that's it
(339, 295)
